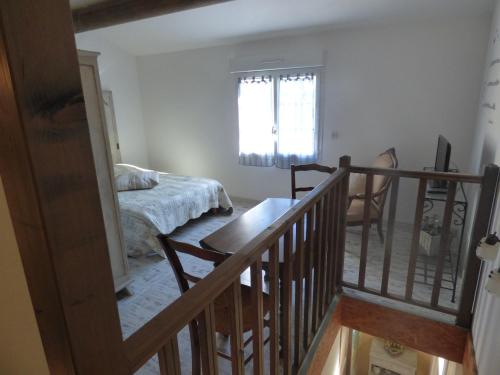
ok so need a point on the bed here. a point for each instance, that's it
(170, 204)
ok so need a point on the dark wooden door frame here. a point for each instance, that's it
(51, 187)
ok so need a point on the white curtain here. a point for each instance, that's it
(256, 121)
(281, 136)
(297, 120)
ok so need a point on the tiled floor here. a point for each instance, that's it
(154, 286)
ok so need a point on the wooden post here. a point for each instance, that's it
(344, 163)
(482, 223)
(50, 182)
(366, 231)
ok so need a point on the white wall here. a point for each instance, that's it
(486, 326)
(118, 71)
(383, 86)
(21, 349)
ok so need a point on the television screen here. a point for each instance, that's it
(443, 155)
(442, 163)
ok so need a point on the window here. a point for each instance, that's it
(278, 118)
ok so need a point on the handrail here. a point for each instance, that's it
(331, 196)
(150, 338)
(440, 176)
(488, 184)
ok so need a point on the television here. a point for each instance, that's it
(442, 163)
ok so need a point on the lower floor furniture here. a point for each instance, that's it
(383, 363)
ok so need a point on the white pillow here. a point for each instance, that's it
(130, 177)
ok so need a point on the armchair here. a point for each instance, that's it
(381, 185)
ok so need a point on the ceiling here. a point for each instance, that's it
(243, 20)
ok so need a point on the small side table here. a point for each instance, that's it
(382, 363)
(459, 217)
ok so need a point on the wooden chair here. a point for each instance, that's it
(221, 305)
(381, 185)
(307, 167)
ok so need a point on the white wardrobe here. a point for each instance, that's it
(104, 151)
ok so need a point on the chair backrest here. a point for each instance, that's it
(381, 184)
(183, 278)
(307, 167)
(386, 159)
(171, 249)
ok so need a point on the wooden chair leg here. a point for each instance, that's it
(380, 231)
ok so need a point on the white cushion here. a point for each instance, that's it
(130, 177)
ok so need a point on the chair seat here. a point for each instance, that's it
(356, 210)
(222, 311)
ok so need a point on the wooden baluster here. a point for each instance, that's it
(258, 317)
(168, 358)
(208, 347)
(415, 242)
(309, 261)
(444, 246)
(344, 162)
(366, 230)
(274, 309)
(287, 304)
(390, 235)
(332, 248)
(335, 240)
(299, 275)
(324, 253)
(233, 298)
(317, 266)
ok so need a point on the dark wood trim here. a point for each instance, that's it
(274, 361)
(258, 318)
(394, 297)
(390, 235)
(344, 165)
(366, 230)
(419, 210)
(236, 328)
(445, 242)
(114, 12)
(298, 317)
(168, 358)
(482, 223)
(286, 289)
(208, 347)
(309, 262)
(440, 176)
(315, 318)
(431, 337)
(50, 182)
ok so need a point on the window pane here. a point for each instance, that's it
(256, 116)
(297, 115)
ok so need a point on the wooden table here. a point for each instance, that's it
(239, 232)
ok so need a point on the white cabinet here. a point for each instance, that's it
(382, 363)
(104, 166)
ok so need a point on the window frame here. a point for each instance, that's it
(275, 74)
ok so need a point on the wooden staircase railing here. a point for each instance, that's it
(313, 234)
(488, 186)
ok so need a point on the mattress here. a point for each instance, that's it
(170, 204)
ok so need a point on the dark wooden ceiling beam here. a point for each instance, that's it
(114, 12)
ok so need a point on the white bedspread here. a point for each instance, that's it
(174, 201)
